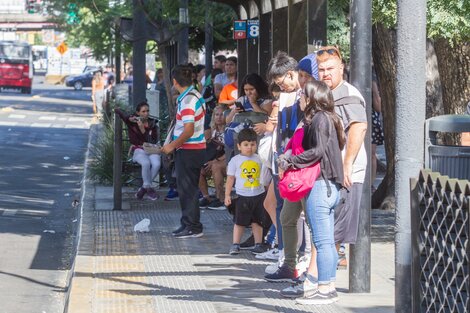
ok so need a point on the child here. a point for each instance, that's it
(244, 171)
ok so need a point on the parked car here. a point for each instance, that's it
(81, 80)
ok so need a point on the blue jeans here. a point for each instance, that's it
(320, 213)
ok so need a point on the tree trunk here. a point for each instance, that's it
(166, 79)
(383, 52)
(454, 69)
(434, 105)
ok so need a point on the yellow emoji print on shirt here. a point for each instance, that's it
(250, 172)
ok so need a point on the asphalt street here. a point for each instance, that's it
(43, 140)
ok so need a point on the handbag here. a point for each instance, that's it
(265, 149)
(151, 148)
(297, 183)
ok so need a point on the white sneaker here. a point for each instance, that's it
(272, 268)
(271, 254)
(303, 263)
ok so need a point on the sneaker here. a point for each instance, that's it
(234, 249)
(272, 268)
(271, 254)
(179, 230)
(187, 233)
(204, 202)
(317, 298)
(295, 290)
(141, 193)
(334, 295)
(217, 205)
(172, 195)
(310, 286)
(152, 194)
(259, 248)
(302, 263)
(283, 274)
(248, 244)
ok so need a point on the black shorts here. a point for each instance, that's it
(249, 210)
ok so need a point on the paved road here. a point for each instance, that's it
(43, 140)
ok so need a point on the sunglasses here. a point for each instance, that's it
(330, 51)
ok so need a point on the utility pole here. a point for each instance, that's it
(138, 53)
(209, 38)
(361, 76)
(183, 42)
(117, 56)
(410, 117)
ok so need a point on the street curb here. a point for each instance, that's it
(78, 297)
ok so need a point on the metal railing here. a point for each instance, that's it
(440, 209)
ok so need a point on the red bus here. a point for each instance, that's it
(16, 65)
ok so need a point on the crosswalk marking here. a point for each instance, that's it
(8, 123)
(48, 118)
(41, 125)
(19, 116)
(9, 212)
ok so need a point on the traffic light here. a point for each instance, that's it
(72, 14)
(31, 6)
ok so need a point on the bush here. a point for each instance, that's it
(100, 169)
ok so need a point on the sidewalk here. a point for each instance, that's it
(118, 270)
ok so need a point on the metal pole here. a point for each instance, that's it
(139, 85)
(183, 43)
(117, 165)
(361, 75)
(118, 55)
(208, 39)
(410, 117)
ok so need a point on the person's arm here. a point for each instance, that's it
(356, 134)
(228, 189)
(376, 99)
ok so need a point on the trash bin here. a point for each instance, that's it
(453, 161)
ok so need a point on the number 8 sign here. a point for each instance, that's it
(253, 28)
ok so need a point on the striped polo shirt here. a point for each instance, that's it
(191, 109)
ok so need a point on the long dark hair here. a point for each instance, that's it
(321, 100)
(256, 81)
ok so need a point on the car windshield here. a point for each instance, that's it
(12, 51)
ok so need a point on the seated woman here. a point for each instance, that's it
(215, 165)
(142, 129)
(254, 97)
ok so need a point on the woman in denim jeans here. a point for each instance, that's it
(323, 141)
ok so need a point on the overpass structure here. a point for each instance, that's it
(27, 27)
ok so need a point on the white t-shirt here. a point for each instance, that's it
(247, 172)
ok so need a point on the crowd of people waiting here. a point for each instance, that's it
(313, 122)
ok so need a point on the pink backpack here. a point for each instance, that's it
(297, 183)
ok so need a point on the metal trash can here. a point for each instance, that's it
(453, 161)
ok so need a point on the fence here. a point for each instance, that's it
(440, 234)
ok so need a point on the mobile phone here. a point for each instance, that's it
(239, 105)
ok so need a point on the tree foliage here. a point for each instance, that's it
(96, 21)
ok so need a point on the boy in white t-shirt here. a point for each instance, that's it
(243, 171)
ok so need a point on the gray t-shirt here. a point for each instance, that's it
(247, 172)
(350, 106)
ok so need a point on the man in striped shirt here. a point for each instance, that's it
(190, 146)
